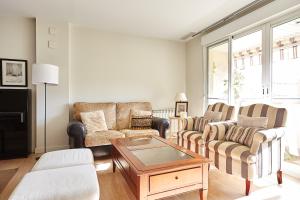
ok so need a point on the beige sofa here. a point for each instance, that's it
(117, 116)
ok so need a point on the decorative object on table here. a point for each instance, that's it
(180, 107)
(183, 115)
(46, 74)
(180, 97)
(181, 104)
(13, 73)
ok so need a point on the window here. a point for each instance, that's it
(285, 80)
(247, 68)
(260, 66)
(286, 60)
(218, 60)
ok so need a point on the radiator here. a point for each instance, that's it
(164, 113)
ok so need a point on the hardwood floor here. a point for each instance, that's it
(23, 165)
(221, 186)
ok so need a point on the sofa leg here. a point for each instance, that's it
(114, 166)
(248, 183)
(279, 177)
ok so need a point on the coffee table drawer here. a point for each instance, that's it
(176, 179)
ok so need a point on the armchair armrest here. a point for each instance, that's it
(216, 130)
(77, 131)
(187, 123)
(266, 136)
(161, 125)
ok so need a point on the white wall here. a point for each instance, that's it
(57, 96)
(194, 77)
(119, 68)
(17, 41)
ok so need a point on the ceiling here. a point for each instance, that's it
(167, 19)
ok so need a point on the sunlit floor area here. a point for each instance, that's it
(221, 186)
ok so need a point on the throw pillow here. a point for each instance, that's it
(94, 121)
(258, 122)
(187, 123)
(140, 119)
(241, 135)
(213, 116)
(200, 123)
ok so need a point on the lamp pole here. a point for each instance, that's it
(45, 122)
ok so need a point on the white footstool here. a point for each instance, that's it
(68, 183)
(64, 158)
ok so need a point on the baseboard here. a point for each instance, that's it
(51, 148)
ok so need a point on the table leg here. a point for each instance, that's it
(114, 166)
(203, 194)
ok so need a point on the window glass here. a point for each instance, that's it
(218, 72)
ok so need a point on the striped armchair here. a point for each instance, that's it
(192, 135)
(256, 152)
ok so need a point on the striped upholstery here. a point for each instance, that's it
(227, 111)
(200, 123)
(236, 159)
(191, 140)
(217, 130)
(276, 116)
(188, 123)
(192, 137)
(259, 156)
(241, 135)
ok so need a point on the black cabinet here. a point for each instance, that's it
(15, 121)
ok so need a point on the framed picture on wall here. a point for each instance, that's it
(180, 106)
(13, 73)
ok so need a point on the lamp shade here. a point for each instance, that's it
(180, 97)
(45, 73)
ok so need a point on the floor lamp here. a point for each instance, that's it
(48, 75)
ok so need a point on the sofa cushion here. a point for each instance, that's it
(101, 137)
(94, 121)
(213, 116)
(64, 158)
(123, 112)
(232, 150)
(76, 183)
(143, 132)
(241, 135)
(256, 122)
(140, 119)
(109, 110)
(200, 123)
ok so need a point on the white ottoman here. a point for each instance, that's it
(64, 158)
(68, 183)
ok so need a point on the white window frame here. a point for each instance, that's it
(267, 39)
(219, 42)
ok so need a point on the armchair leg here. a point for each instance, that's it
(279, 177)
(248, 183)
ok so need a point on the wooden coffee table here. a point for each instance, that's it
(155, 168)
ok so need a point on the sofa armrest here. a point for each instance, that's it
(187, 123)
(216, 130)
(161, 125)
(77, 131)
(266, 136)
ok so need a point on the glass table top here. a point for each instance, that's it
(152, 151)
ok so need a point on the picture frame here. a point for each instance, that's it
(13, 72)
(181, 106)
